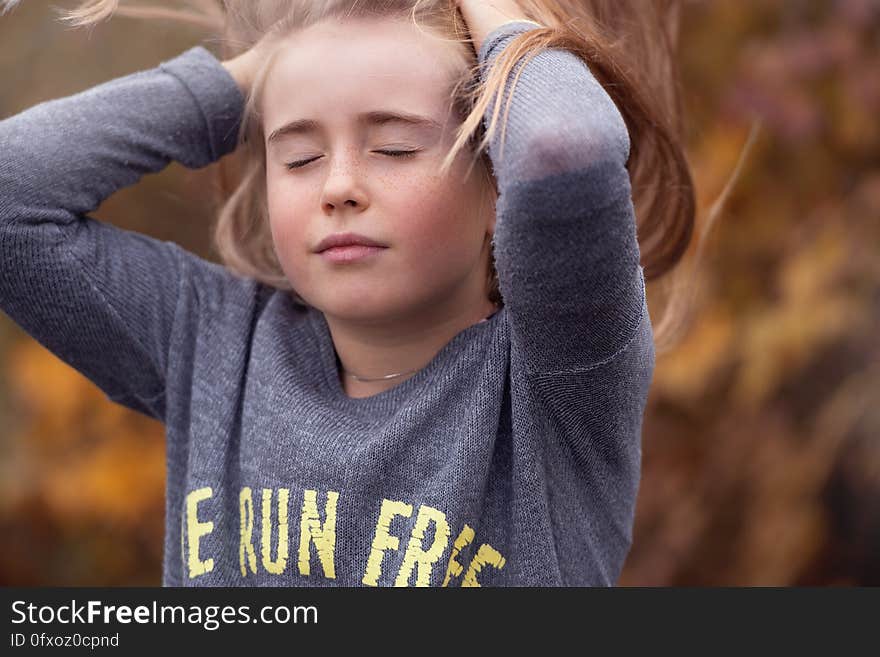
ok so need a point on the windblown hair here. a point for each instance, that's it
(629, 46)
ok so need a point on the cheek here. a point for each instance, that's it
(437, 228)
(283, 206)
(434, 214)
(289, 235)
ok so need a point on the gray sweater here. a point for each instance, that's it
(513, 458)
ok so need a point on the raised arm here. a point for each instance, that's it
(104, 299)
(565, 239)
(568, 266)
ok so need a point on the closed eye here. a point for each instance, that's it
(301, 163)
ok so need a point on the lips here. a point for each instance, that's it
(351, 254)
(346, 239)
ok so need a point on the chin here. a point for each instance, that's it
(359, 308)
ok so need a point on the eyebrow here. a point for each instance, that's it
(377, 117)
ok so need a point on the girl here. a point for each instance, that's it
(427, 359)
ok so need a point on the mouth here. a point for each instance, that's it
(345, 240)
(348, 253)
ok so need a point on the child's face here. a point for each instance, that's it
(433, 226)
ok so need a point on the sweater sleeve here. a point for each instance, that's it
(565, 242)
(101, 298)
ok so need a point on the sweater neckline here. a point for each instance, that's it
(382, 404)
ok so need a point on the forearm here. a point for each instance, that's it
(63, 157)
(565, 239)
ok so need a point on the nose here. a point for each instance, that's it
(343, 186)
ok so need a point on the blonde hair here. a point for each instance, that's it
(629, 46)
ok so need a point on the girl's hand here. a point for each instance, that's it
(483, 16)
(243, 68)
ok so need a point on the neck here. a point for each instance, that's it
(371, 349)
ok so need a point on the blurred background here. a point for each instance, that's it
(761, 444)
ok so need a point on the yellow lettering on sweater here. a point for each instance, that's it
(246, 532)
(486, 556)
(416, 555)
(420, 561)
(383, 540)
(324, 536)
(195, 530)
(454, 569)
(277, 565)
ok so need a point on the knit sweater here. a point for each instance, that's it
(512, 459)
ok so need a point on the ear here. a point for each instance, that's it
(487, 203)
(491, 214)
